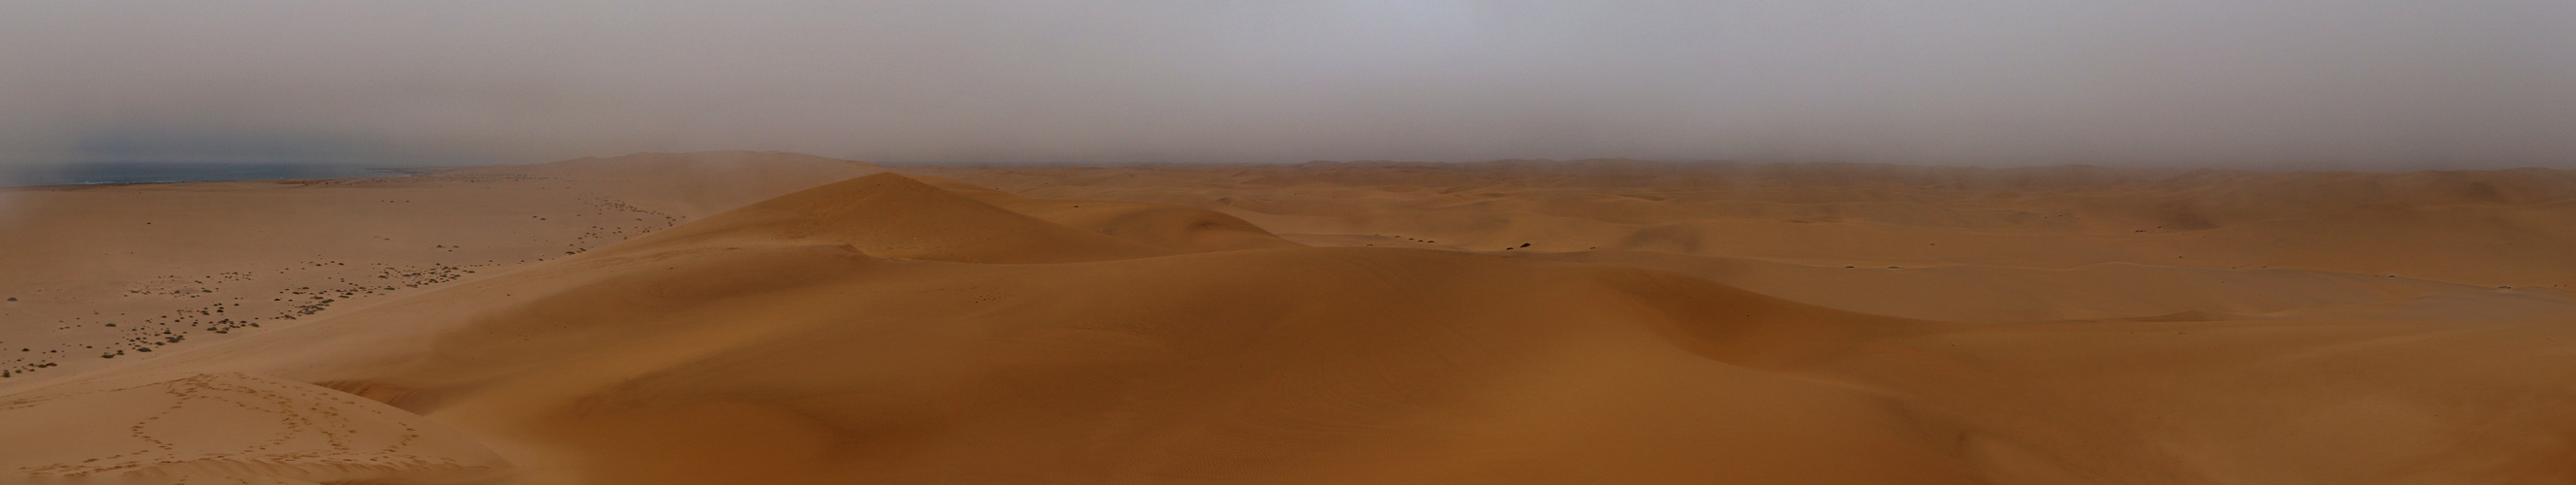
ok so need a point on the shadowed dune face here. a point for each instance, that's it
(912, 329)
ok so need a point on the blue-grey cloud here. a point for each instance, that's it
(2370, 83)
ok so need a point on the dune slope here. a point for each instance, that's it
(882, 329)
(893, 329)
(95, 276)
(1944, 243)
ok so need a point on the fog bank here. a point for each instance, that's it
(2358, 84)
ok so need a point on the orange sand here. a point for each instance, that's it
(756, 318)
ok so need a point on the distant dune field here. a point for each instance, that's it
(762, 317)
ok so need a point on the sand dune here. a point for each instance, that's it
(1493, 323)
(2015, 230)
(109, 269)
(235, 428)
(2105, 291)
(2170, 402)
(686, 185)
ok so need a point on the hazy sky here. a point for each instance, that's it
(2272, 83)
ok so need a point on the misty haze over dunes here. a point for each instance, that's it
(2312, 84)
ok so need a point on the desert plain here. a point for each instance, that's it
(776, 318)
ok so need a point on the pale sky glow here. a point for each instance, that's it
(2287, 83)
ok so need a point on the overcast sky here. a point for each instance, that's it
(2360, 83)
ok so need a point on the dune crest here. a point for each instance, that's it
(890, 215)
(687, 185)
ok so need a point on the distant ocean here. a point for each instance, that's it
(93, 173)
